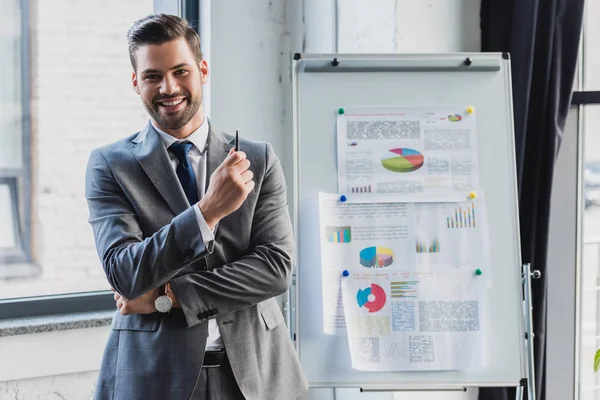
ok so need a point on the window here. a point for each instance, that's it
(66, 90)
(13, 116)
(590, 255)
(591, 44)
(588, 102)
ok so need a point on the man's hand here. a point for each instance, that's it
(228, 188)
(172, 296)
(142, 305)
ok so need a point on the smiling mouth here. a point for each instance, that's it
(171, 105)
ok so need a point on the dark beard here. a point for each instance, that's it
(171, 121)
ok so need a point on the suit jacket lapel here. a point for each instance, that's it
(218, 148)
(151, 154)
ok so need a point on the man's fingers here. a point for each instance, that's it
(247, 176)
(116, 296)
(234, 158)
(123, 307)
(242, 166)
(250, 186)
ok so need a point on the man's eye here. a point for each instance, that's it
(180, 72)
(152, 77)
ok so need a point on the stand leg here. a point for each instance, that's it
(519, 395)
(527, 276)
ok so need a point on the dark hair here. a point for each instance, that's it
(158, 29)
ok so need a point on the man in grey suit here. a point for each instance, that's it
(195, 240)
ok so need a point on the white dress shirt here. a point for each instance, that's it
(197, 157)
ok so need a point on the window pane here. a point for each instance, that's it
(590, 267)
(10, 85)
(81, 98)
(7, 234)
(591, 44)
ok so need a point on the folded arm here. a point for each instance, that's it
(263, 273)
(133, 264)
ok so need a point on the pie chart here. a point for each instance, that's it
(372, 298)
(376, 257)
(403, 160)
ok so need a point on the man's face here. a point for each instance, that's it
(169, 82)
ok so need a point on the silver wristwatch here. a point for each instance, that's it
(163, 303)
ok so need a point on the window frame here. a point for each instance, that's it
(19, 179)
(16, 254)
(67, 303)
(579, 100)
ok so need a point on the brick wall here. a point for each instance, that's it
(82, 98)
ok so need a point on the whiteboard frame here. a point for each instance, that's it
(308, 63)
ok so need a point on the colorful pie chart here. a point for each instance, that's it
(376, 257)
(372, 298)
(403, 160)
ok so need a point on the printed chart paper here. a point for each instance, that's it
(399, 320)
(387, 236)
(368, 235)
(417, 151)
(453, 235)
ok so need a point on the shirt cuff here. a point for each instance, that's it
(207, 235)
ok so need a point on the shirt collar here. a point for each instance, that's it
(198, 137)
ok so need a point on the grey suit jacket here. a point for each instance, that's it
(146, 234)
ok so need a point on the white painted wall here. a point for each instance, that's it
(247, 71)
(563, 249)
(406, 26)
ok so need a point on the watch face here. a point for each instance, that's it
(163, 304)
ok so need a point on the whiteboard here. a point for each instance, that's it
(320, 88)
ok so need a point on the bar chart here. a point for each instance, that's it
(339, 234)
(428, 246)
(462, 218)
(403, 289)
(361, 189)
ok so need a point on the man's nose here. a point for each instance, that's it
(169, 86)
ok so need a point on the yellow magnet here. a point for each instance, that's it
(470, 110)
(472, 195)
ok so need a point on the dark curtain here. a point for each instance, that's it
(542, 39)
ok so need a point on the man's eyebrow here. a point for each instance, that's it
(155, 71)
(180, 66)
(150, 71)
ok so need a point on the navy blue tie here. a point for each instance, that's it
(184, 171)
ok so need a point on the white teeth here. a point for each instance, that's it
(172, 103)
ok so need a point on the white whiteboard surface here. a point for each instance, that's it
(320, 89)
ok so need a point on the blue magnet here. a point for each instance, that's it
(345, 273)
(342, 198)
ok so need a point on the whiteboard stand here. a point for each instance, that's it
(528, 274)
(321, 84)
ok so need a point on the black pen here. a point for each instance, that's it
(237, 143)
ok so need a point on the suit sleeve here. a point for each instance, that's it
(263, 273)
(135, 264)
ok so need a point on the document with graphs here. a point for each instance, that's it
(401, 235)
(423, 152)
(355, 235)
(405, 320)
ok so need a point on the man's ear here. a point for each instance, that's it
(135, 82)
(204, 70)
